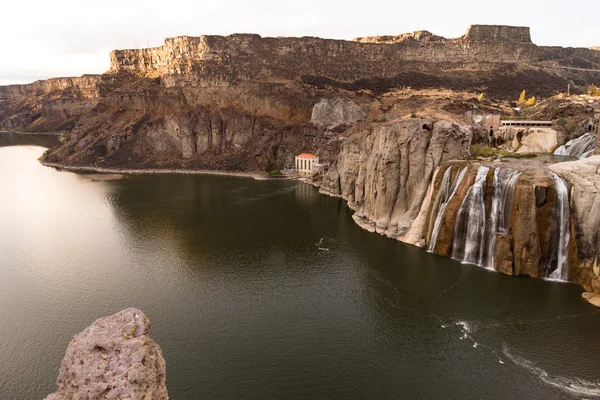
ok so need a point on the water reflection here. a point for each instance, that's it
(28, 139)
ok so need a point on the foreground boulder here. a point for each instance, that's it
(114, 358)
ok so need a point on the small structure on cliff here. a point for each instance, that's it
(527, 136)
(490, 122)
(526, 124)
(305, 163)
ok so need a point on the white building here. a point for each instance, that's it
(305, 163)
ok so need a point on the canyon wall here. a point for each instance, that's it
(86, 86)
(584, 176)
(52, 105)
(384, 174)
(258, 58)
(283, 78)
(405, 179)
(247, 103)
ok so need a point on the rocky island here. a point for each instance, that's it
(408, 128)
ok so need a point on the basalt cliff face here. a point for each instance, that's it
(247, 103)
(406, 180)
(244, 102)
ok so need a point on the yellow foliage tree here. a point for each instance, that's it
(481, 97)
(530, 102)
(524, 101)
(593, 90)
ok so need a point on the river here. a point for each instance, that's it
(267, 289)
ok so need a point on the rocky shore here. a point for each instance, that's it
(148, 171)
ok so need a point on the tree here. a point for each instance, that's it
(530, 102)
(522, 97)
(481, 97)
(593, 90)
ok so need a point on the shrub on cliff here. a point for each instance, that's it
(51, 158)
(524, 101)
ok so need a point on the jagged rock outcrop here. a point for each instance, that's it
(114, 358)
(384, 174)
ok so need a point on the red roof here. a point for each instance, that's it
(306, 155)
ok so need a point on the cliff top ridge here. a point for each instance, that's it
(475, 33)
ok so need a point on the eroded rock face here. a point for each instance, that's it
(584, 176)
(332, 113)
(114, 358)
(498, 33)
(384, 174)
(541, 141)
(513, 226)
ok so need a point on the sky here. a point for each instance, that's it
(43, 39)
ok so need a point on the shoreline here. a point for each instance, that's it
(160, 171)
(31, 133)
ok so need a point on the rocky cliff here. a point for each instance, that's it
(384, 172)
(114, 358)
(584, 176)
(406, 180)
(369, 107)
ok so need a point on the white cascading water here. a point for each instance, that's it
(505, 180)
(468, 244)
(580, 147)
(562, 269)
(447, 191)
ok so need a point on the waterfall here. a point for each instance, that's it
(470, 223)
(580, 147)
(444, 196)
(505, 180)
(562, 269)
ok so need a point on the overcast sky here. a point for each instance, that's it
(50, 38)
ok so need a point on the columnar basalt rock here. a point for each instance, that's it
(385, 174)
(113, 358)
